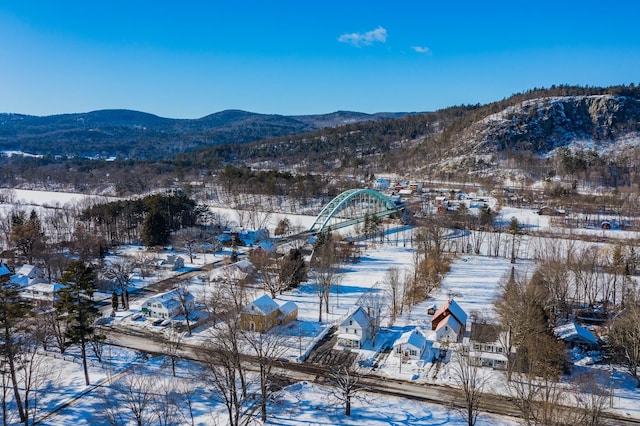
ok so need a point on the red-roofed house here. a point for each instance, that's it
(449, 322)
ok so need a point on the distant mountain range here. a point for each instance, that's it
(587, 133)
(142, 136)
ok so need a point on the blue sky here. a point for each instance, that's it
(192, 58)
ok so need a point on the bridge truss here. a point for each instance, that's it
(353, 206)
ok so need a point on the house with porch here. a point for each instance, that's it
(487, 346)
(355, 330)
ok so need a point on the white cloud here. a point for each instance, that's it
(422, 49)
(365, 39)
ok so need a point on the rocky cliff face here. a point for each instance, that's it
(543, 124)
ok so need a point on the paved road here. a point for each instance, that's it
(436, 394)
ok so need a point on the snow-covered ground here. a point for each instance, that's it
(474, 282)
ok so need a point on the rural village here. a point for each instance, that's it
(345, 302)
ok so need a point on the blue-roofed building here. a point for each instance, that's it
(575, 335)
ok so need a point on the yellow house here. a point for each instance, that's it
(264, 313)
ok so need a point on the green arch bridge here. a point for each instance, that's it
(353, 206)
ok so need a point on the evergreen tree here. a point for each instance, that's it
(155, 229)
(13, 310)
(26, 234)
(77, 308)
(114, 301)
(293, 269)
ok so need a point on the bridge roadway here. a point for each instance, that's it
(431, 393)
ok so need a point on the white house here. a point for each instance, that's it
(41, 293)
(381, 184)
(235, 272)
(487, 346)
(26, 275)
(355, 330)
(449, 330)
(410, 345)
(168, 305)
(449, 322)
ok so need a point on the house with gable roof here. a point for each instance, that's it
(410, 345)
(27, 275)
(43, 295)
(264, 313)
(487, 346)
(355, 330)
(168, 305)
(449, 322)
(573, 335)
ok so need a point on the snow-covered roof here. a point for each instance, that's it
(573, 331)
(170, 299)
(359, 316)
(41, 291)
(264, 304)
(234, 271)
(414, 338)
(452, 322)
(455, 310)
(288, 308)
(27, 270)
(4, 269)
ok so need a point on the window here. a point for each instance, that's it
(350, 322)
(500, 350)
(412, 352)
(355, 331)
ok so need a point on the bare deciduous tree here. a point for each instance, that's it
(225, 370)
(324, 266)
(346, 387)
(395, 289)
(120, 270)
(132, 397)
(465, 372)
(624, 334)
(266, 347)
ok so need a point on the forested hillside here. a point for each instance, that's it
(580, 135)
(140, 136)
